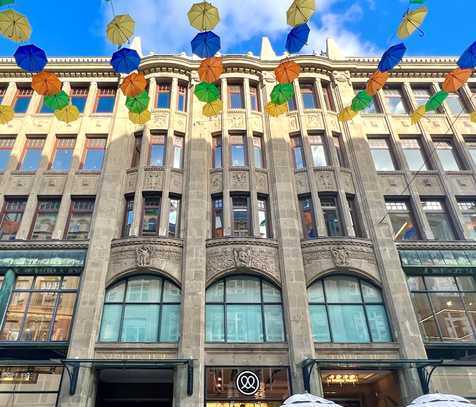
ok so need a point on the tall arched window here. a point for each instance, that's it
(141, 309)
(346, 309)
(244, 309)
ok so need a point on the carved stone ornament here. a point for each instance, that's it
(341, 256)
(143, 255)
(242, 257)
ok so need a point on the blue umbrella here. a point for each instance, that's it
(206, 44)
(30, 58)
(392, 57)
(468, 59)
(297, 38)
(125, 60)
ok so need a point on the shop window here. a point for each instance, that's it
(381, 154)
(217, 151)
(345, 309)
(178, 151)
(263, 217)
(328, 98)
(141, 309)
(447, 154)
(308, 96)
(297, 151)
(80, 217)
(455, 104)
(235, 96)
(422, 95)
(468, 210)
(241, 216)
(163, 95)
(63, 154)
(182, 98)
(94, 154)
(445, 307)
(45, 219)
(31, 157)
(373, 106)
(157, 150)
(41, 309)
(331, 213)
(414, 154)
(307, 217)
(238, 154)
(22, 100)
(318, 150)
(79, 97)
(471, 144)
(105, 100)
(354, 217)
(395, 101)
(254, 98)
(174, 216)
(401, 218)
(258, 151)
(137, 150)
(151, 215)
(339, 147)
(217, 216)
(438, 218)
(6, 147)
(128, 216)
(244, 309)
(12, 215)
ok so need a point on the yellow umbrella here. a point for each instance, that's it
(418, 114)
(203, 16)
(346, 114)
(300, 12)
(120, 29)
(213, 108)
(275, 110)
(411, 22)
(14, 26)
(6, 114)
(140, 118)
(473, 117)
(67, 114)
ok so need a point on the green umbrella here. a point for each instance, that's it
(58, 101)
(417, 1)
(5, 2)
(282, 93)
(138, 103)
(207, 92)
(435, 101)
(361, 101)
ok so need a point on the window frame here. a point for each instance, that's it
(409, 210)
(58, 141)
(314, 138)
(299, 146)
(80, 92)
(218, 212)
(338, 212)
(26, 148)
(267, 214)
(87, 147)
(467, 212)
(244, 143)
(154, 136)
(105, 92)
(137, 149)
(443, 211)
(258, 144)
(178, 224)
(7, 144)
(438, 142)
(235, 89)
(128, 208)
(217, 145)
(163, 86)
(182, 90)
(145, 207)
(328, 96)
(389, 148)
(178, 144)
(401, 95)
(254, 93)
(406, 146)
(309, 88)
(21, 202)
(249, 214)
(39, 211)
(72, 211)
(22, 93)
(301, 200)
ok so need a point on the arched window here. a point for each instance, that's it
(244, 309)
(346, 309)
(141, 309)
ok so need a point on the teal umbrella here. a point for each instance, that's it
(282, 93)
(361, 101)
(436, 101)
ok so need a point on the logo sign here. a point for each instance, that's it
(247, 383)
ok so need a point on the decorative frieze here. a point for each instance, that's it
(239, 180)
(325, 180)
(216, 182)
(153, 179)
(160, 120)
(85, 184)
(131, 181)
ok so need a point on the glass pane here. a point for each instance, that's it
(174, 216)
(38, 319)
(171, 292)
(181, 102)
(348, 324)
(332, 222)
(470, 304)
(62, 161)
(426, 319)
(383, 160)
(244, 323)
(298, 157)
(448, 160)
(440, 226)
(308, 100)
(403, 226)
(79, 102)
(94, 160)
(144, 289)
(378, 323)
(21, 105)
(64, 315)
(163, 100)
(157, 152)
(170, 323)
(319, 323)
(105, 104)
(23, 282)
(79, 226)
(216, 292)
(4, 159)
(215, 323)
(116, 293)
(31, 160)
(217, 157)
(10, 225)
(315, 292)
(273, 320)
(271, 293)
(415, 160)
(342, 290)
(318, 155)
(14, 317)
(48, 283)
(111, 320)
(177, 163)
(151, 220)
(441, 284)
(141, 323)
(258, 157)
(243, 290)
(236, 101)
(44, 226)
(466, 283)
(371, 293)
(455, 104)
(70, 283)
(470, 222)
(238, 155)
(415, 283)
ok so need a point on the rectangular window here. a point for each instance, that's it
(258, 151)
(13, 210)
(468, 210)
(217, 216)
(63, 154)
(6, 146)
(331, 215)
(298, 152)
(438, 218)
(163, 95)
(447, 154)
(455, 104)
(292, 104)
(22, 100)
(178, 152)
(381, 154)
(79, 96)
(318, 150)
(32, 154)
(414, 155)
(45, 219)
(157, 150)
(216, 152)
(241, 216)
(263, 217)
(44, 109)
(422, 95)
(128, 216)
(137, 150)
(105, 100)
(151, 215)
(373, 107)
(395, 101)
(471, 143)
(307, 217)
(94, 154)
(3, 90)
(174, 216)
(339, 146)
(354, 217)
(328, 99)
(80, 217)
(308, 95)
(254, 98)
(235, 97)
(182, 98)
(238, 151)
(401, 218)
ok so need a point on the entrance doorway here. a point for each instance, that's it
(135, 388)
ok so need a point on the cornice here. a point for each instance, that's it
(236, 241)
(436, 245)
(44, 245)
(146, 241)
(337, 242)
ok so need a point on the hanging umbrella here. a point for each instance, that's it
(468, 59)
(5, 2)
(203, 16)
(376, 82)
(411, 22)
(207, 92)
(282, 93)
(473, 117)
(276, 110)
(134, 84)
(206, 44)
(417, 1)
(6, 114)
(46, 83)
(120, 29)
(308, 400)
(440, 400)
(14, 26)
(418, 114)
(213, 108)
(297, 38)
(300, 12)
(392, 57)
(210, 69)
(67, 114)
(30, 58)
(138, 103)
(57, 101)
(456, 79)
(346, 114)
(140, 118)
(287, 71)
(125, 60)
(361, 101)
(436, 101)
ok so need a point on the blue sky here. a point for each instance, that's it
(360, 27)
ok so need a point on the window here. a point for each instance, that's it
(22, 100)
(241, 224)
(307, 217)
(468, 210)
(447, 154)
(41, 309)
(292, 104)
(163, 95)
(445, 307)
(45, 219)
(339, 146)
(63, 154)
(32, 154)
(216, 152)
(244, 309)
(308, 95)
(235, 97)
(128, 217)
(394, 100)
(346, 309)
(94, 155)
(263, 217)
(413, 152)
(298, 152)
(13, 210)
(401, 217)
(44, 109)
(455, 105)
(238, 151)
(354, 217)
(471, 143)
(174, 216)
(157, 150)
(137, 150)
(254, 98)
(6, 146)
(217, 216)
(80, 217)
(151, 215)
(331, 215)
(318, 150)
(438, 219)
(258, 151)
(373, 106)
(141, 309)
(182, 98)
(178, 151)
(3, 90)
(422, 95)
(79, 97)
(381, 154)
(328, 99)
(105, 100)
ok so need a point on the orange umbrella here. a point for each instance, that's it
(376, 82)
(210, 69)
(46, 83)
(456, 79)
(287, 71)
(133, 84)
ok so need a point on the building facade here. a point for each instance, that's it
(236, 260)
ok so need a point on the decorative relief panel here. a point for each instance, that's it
(391, 184)
(314, 121)
(333, 122)
(293, 122)
(160, 120)
(261, 181)
(236, 121)
(176, 181)
(180, 122)
(435, 125)
(39, 124)
(325, 180)
(428, 185)
(465, 126)
(347, 181)
(131, 181)
(53, 184)
(256, 122)
(99, 124)
(375, 125)
(153, 179)
(463, 184)
(214, 124)
(239, 180)
(12, 127)
(403, 125)
(68, 128)
(302, 182)
(20, 184)
(85, 184)
(216, 182)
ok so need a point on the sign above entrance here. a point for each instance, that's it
(247, 383)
